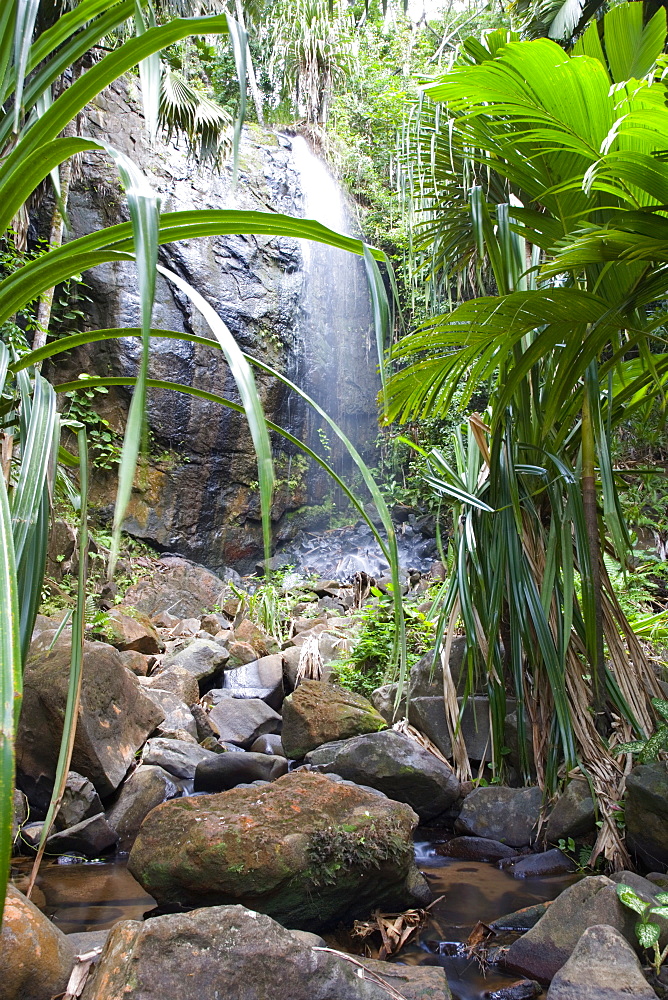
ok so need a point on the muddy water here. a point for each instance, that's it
(93, 896)
(472, 891)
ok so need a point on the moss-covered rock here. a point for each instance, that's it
(318, 713)
(307, 850)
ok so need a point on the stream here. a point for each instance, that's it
(93, 896)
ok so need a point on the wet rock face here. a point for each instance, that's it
(226, 951)
(304, 849)
(647, 812)
(603, 966)
(197, 495)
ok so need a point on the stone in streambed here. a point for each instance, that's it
(132, 632)
(521, 920)
(270, 743)
(145, 789)
(202, 658)
(243, 720)
(231, 769)
(318, 713)
(476, 849)
(523, 989)
(542, 951)
(225, 952)
(414, 982)
(261, 678)
(79, 802)
(176, 712)
(603, 966)
(396, 765)
(176, 756)
(304, 849)
(646, 812)
(36, 958)
(178, 680)
(114, 720)
(182, 587)
(574, 814)
(507, 814)
(91, 838)
(543, 865)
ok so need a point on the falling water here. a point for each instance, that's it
(340, 365)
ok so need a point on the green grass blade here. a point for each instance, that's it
(149, 74)
(239, 48)
(26, 16)
(10, 668)
(35, 459)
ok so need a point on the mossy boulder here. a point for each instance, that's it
(36, 958)
(307, 850)
(318, 713)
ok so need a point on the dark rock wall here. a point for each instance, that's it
(196, 493)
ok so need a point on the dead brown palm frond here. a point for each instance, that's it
(310, 661)
(404, 727)
(394, 929)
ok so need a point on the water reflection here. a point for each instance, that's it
(91, 897)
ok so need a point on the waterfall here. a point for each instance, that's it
(339, 367)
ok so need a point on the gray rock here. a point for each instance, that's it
(574, 814)
(136, 662)
(178, 680)
(543, 865)
(242, 720)
(383, 700)
(396, 765)
(231, 769)
(544, 949)
(90, 837)
(145, 789)
(523, 989)
(84, 942)
(20, 814)
(202, 658)
(414, 982)
(476, 849)
(646, 812)
(175, 756)
(80, 801)
(240, 954)
(521, 920)
(506, 814)
(270, 744)
(427, 714)
(181, 588)
(114, 720)
(176, 712)
(602, 967)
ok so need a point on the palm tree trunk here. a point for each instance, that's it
(590, 505)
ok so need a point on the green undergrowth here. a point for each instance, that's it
(368, 665)
(338, 849)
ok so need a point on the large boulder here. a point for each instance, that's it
(176, 756)
(396, 765)
(261, 678)
(114, 720)
(646, 812)
(145, 789)
(35, 956)
(307, 850)
(318, 713)
(243, 720)
(178, 680)
(544, 949)
(91, 837)
(603, 966)
(225, 952)
(182, 587)
(507, 814)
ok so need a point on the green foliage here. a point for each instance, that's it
(649, 749)
(104, 442)
(647, 931)
(370, 663)
(336, 850)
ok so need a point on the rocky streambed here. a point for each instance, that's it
(261, 806)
